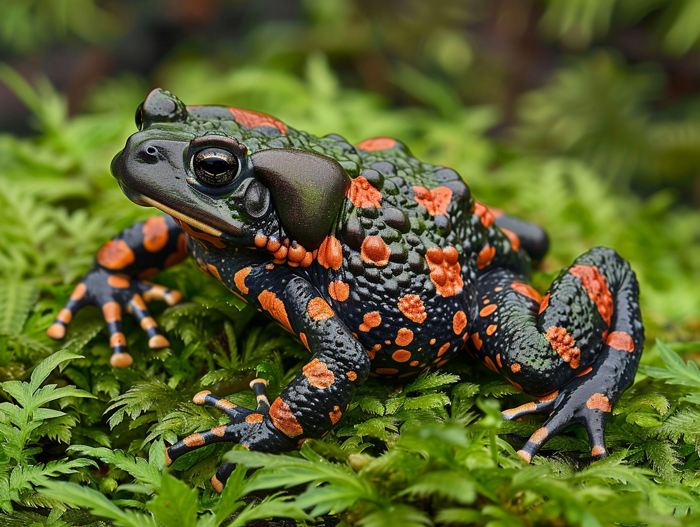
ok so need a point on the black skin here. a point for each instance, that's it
(381, 265)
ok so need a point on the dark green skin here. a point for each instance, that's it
(381, 264)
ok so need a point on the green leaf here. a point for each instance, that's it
(175, 504)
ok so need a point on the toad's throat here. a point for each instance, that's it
(180, 216)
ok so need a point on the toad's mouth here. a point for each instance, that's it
(145, 201)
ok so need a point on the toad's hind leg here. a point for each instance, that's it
(578, 347)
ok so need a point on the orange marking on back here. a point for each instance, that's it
(155, 234)
(498, 360)
(401, 355)
(485, 256)
(491, 329)
(252, 119)
(515, 367)
(376, 143)
(318, 309)
(414, 363)
(214, 271)
(477, 341)
(544, 304)
(564, 345)
(330, 253)
(119, 281)
(489, 364)
(445, 271)
(620, 341)
(273, 305)
(435, 201)
(459, 322)
(318, 374)
(284, 420)
(404, 337)
(115, 254)
(370, 320)
(600, 402)
(597, 288)
(386, 371)
(443, 349)
(412, 308)
(484, 214)
(488, 310)
(375, 251)
(335, 415)
(362, 194)
(239, 279)
(439, 365)
(527, 290)
(351, 375)
(339, 290)
(112, 311)
(513, 238)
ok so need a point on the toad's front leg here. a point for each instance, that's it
(577, 348)
(318, 395)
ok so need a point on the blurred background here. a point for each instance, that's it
(581, 115)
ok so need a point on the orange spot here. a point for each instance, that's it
(330, 253)
(598, 401)
(281, 253)
(620, 341)
(194, 440)
(548, 398)
(214, 271)
(459, 322)
(526, 456)
(376, 143)
(335, 415)
(539, 435)
(484, 214)
(477, 341)
(527, 290)
(362, 194)
(218, 486)
(200, 397)
(78, 292)
(412, 308)
(239, 279)
(155, 234)
(270, 303)
(544, 303)
(121, 360)
(119, 281)
(273, 246)
(597, 288)
(304, 341)
(56, 331)
(220, 431)
(498, 360)
(339, 290)
(432, 342)
(488, 310)
(564, 345)
(401, 355)
(370, 320)
(65, 316)
(522, 409)
(137, 302)
(443, 349)
(386, 371)
(404, 337)
(375, 251)
(515, 367)
(491, 329)
(435, 201)
(112, 311)
(296, 253)
(252, 119)
(439, 364)
(117, 339)
(585, 372)
(485, 256)
(284, 420)
(158, 342)
(513, 238)
(115, 254)
(445, 271)
(351, 375)
(260, 240)
(254, 418)
(318, 309)
(318, 374)
(597, 450)
(308, 259)
(490, 365)
(414, 363)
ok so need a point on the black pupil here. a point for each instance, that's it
(215, 167)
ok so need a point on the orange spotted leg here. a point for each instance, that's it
(577, 348)
(114, 283)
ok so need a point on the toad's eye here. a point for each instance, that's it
(215, 167)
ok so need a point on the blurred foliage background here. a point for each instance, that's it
(580, 115)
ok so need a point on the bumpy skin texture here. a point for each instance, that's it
(380, 264)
